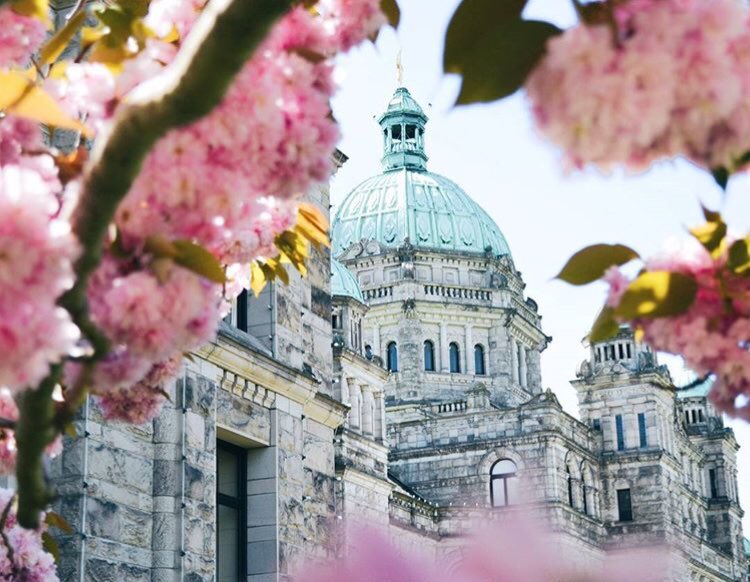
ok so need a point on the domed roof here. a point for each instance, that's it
(429, 209)
(700, 390)
(344, 283)
(407, 201)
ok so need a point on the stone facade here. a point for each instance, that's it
(409, 397)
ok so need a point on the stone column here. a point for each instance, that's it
(469, 349)
(356, 402)
(444, 359)
(514, 360)
(368, 405)
(523, 368)
(379, 416)
(344, 387)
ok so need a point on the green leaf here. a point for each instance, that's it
(53, 519)
(500, 62)
(657, 294)
(739, 256)
(50, 546)
(55, 46)
(197, 259)
(605, 326)
(473, 20)
(591, 263)
(392, 12)
(721, 176)
(712, 233)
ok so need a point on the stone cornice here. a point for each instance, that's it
(276, 377)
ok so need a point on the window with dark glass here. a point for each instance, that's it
(411, 132)
(713, 483)
(503, 483)
(584, 479)
(429, 356)
(231, 512)
(396, 132)
(392, 357)
(700, 415)
(620, 433)
(596, 424)
(455, 357)
(479, 368)
(642, 430)
(624, 506)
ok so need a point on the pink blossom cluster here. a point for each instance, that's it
(20, 37)
(227, 182)
(673, 80)
(528, 554)
(36, 254)
(151, 317)
(30, 562)
(713, 336)
(223, 180)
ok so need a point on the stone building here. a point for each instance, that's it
(398, 385)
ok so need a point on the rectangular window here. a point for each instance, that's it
(231, 512)
(620, 433)
(596, 424)
(700, 415)
(624, 506)
(712, 483)
(642, 429)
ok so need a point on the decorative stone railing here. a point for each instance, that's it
(378, 292)
(457, 406)
(457, 292)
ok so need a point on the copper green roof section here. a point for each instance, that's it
(344, 283)
(407, 201)
(698, 391)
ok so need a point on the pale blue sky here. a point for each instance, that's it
(493, 153)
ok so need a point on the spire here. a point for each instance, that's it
(403, 130)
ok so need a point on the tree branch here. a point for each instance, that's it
(220, 43)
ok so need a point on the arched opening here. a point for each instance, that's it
(479, 368)
(392, 357)
(570, 485)
(586, 486)
(503, 481)
(455, 357)
(429, 356)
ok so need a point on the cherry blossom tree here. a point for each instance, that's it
(198, 125)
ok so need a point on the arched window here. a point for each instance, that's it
(570, 485)
(429, 356)
(503, 480)
(479, 369)
(392, 357)
(585, 483)
(455, 357)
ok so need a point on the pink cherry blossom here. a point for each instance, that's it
(713, 335)
(31, 563)
(141, 402)
(36, 254)
(20, 37)
(676, 85)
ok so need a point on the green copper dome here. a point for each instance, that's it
(407, 201)
(344, 283)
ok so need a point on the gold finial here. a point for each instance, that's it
(399, 70)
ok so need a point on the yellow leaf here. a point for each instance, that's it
(21, 97)
(55, 46)
(257, 278)
(711, 234)
(38, 9)
(199, 260)
(605, 326)
(591, 263)
(312, 224)
(657, 294)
